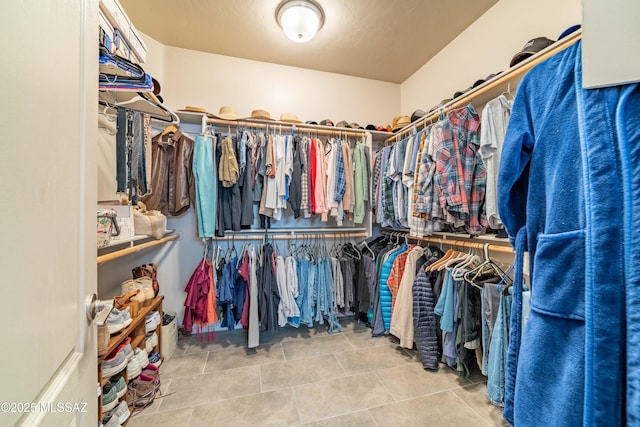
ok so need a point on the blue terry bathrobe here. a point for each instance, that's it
(569, 194)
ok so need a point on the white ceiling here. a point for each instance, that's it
(385, 40)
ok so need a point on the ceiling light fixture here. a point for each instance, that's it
(300, 19)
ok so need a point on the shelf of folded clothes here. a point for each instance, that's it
(123, 83)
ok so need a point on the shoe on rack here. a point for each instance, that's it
(149, 376)
(152, 371)
(148, 270)
(134, 368)
(110, 421)
(124, 347)
(127, 300)
(118, 320)
(121, 412)
(151, 341)
(109, 397)
(152, 321)
(144, 391)
(132, 285)
(155, 358)
(114, 364)
(145, 284)
(120, 385)
(142, 356)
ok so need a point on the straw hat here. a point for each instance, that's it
(227, 113)
(399, 122)
(289, 118)
(260, 114)
(194, 109)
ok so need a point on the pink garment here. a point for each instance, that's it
(196, 302)
(321, 180)
(243, 272)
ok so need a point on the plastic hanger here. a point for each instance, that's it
(507, 94)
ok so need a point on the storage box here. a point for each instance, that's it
(107, 29)
(137, 46)
(116, 15)
(169, 337)
(124, 219)
(133, 47)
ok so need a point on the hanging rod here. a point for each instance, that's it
(290, 236)
(133, 249)
(264, 124)
(513, 72)
(454, 242)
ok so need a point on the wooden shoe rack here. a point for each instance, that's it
(137, 332)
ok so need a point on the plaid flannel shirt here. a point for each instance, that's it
(340, 186)
(466, 123)
(460, 174)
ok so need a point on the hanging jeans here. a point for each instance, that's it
(325, 296)
(497, 363)
(490, 298)
(306, 281)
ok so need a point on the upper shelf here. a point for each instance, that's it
(494, 87)
(144, 102)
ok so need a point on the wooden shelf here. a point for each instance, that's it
(117, 339)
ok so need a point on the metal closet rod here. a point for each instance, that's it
(454, 242)
(506, 77)
(316, 129)
(291, 236)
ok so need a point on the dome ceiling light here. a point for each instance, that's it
(300, 20)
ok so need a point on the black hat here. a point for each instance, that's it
(530, 48)
(371, 127)
(311, 122)
(489, 77)
(418, 114)
(326, 122)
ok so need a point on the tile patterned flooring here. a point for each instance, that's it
(306, 377)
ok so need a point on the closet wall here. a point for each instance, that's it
(206, 80)
(211, 81)
(486, 47)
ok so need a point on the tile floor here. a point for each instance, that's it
(306, 377)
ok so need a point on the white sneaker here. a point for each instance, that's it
(134, 367)
(118, 320)
(151, 341)
(121, 412)
(152, 321)
(142, 356)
